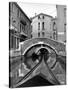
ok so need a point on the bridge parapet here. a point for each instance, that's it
(60, 48)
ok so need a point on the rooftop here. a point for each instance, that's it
(41, 14)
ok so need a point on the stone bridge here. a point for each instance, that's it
(58, 47)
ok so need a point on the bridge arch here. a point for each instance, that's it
(41, 46)
(54, 45)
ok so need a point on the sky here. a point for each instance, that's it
(31, 8)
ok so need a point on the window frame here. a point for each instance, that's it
(43, 26)
(43, 34)
(43, 17)
(39, 17)
(38, 25)
(38, 34)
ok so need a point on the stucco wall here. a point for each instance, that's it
(47, 26)
(61, 21)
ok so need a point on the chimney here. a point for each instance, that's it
(35, 14)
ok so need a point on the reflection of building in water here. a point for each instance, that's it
(61, 22)
(42, 26)
(19, 25)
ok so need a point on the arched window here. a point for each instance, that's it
(38, 34)
(54, 26)
(54, 35)
(38, 17)
(39, 26)
(42, 25)
(43, 34)
(43, 17)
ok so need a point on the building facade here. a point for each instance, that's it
(54, 25)
(19, 25)
(61, 22)
(42, 26)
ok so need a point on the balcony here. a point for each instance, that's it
(22, 33)
(23, 36)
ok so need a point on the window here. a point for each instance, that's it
(42, 25)
(54, 26)
(43, 34)
(31, 36)
(54, 35)
(18, 13)
(18, 42)
(12, 41)
(20, 27)
(38, 17)
(23, 28)
(39, 34)
(64, 27)
(39, 26)
(43, 17)
(64, 12)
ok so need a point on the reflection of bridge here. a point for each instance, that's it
(41, 56)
